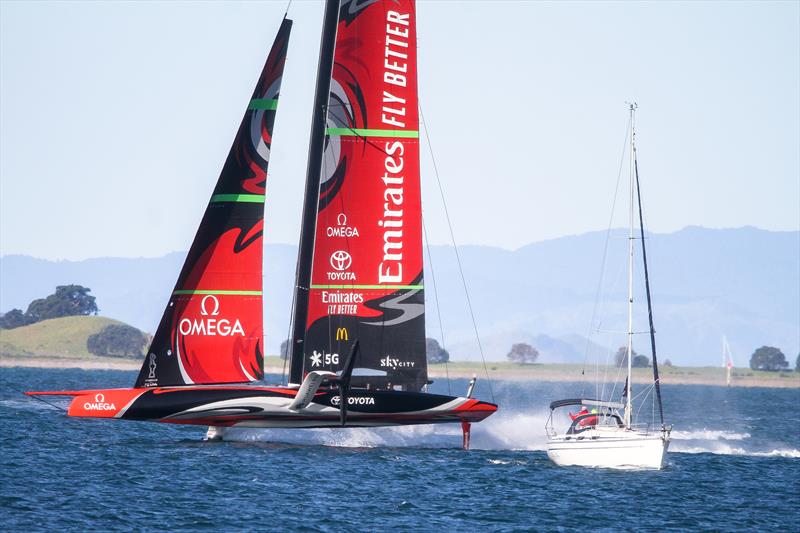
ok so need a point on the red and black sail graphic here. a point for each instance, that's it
(366, 279)
(211, 330)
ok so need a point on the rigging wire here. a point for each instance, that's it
(455, 249)
(656, 378)
(289, 339)
(640, 399)
(436, 299)
(603, 268)
(285, 356)
(54, 406)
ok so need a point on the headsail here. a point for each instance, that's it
(211, 330)
(366, 280)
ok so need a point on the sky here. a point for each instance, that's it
(116, 117)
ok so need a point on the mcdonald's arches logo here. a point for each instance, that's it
(342, 334)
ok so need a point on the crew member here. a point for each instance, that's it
(586, 420)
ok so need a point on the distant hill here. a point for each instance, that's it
(58, 337)
(743, 283)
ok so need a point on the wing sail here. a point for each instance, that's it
(367, 275)
(211, 330)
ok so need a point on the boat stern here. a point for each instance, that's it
(475, 410)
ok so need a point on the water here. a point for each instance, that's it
(734, 464)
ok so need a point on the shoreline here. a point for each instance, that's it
(573, 376)
(99, 363)
(532, 373)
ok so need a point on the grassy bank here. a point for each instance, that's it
(58, 337)
(741, 377)
(668, 374)
(501, 370)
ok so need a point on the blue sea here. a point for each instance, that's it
(734, 465)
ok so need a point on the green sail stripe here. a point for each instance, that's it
(220, 292)
(387, 287)
(245, 198)
(263, 103)
(361, 132)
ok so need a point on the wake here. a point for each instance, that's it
(708, 434)
(502, 432)
(517, 432)
(719, 442)
(725, 449)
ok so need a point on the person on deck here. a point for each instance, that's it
(588, 420)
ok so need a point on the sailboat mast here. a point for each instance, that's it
(727, 360)
(656, 378)
(310, 203)
(628, 408)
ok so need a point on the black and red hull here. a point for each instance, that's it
(269, 407)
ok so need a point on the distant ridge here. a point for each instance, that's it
(741, 282)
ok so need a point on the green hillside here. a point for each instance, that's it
(57, 337)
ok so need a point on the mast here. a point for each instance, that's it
(316, 146)
(630, 272)
(724, 358)
(656, 379)
(727, 360)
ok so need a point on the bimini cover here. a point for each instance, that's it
(585, 401)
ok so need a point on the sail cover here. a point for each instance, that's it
(211, 330)
(366, 280)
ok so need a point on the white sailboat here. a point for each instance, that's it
(727, 360)
(603, 433)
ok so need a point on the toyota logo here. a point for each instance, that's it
(99, 398)
(336, 400)
(340, 260)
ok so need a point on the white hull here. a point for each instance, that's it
(610, 448)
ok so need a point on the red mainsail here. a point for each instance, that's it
(366, 279)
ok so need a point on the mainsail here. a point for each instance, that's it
(211, 330)
(366, 281)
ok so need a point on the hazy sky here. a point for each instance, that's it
(115, 117)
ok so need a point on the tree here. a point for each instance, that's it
(639, 361)
(768, 358)
(435, 353)
(797, 363)
(667, 362)
(13, 319)
(523, 353)
(68, 300)
(117, 340)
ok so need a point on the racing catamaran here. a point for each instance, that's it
(603, 433)
(357, 350)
